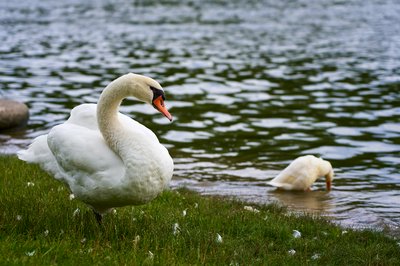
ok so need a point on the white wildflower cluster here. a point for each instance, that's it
(176, 229)
(30, 253)
(292, 252)
(296, 234)
(315, 256)
(218, 239)
(251, 209)
(151, 255)
(76, 212)
(30, 184)
(136, 241)
(71, 196)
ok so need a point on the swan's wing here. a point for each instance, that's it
(84, 157)
(84, 115)
(40, 153)
(298, 175)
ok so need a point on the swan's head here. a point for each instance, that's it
(150, 91)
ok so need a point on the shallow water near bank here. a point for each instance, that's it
(251, 85)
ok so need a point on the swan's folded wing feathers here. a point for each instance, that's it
(83, 155)
(84, 115)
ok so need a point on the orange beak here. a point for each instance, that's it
(158, 103)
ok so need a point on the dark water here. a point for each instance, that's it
(251, 84)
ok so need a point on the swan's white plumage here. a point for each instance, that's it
(302, 173)
(124, 164)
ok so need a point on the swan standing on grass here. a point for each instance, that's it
(106, 158)
(302, 173)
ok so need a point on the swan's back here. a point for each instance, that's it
(299, 174)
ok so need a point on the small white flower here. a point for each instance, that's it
(296, 234)
(196, 205)
(76, 212)
(218, 238)
(19, 217)
(89, 250)
(344, 232)
(315, 256)
(184, 213)
(30, 184)
(83, 240)
(292, 252)
(251, 209)
(114, 211)
(266, 217)
(324, 233)
(136, 240)
(61, 188)
(398, 244)
(71, 196)
(46, 233)
(151, 255)
(176, 229)
(31, 253)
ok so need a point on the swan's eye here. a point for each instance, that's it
(157, 93)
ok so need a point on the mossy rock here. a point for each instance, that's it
(12, 114)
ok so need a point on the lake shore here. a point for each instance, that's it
(40, 223)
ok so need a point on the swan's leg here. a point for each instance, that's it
(308, 189)
(98, 216)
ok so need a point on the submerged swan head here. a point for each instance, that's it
(327, 171)
(143, 88)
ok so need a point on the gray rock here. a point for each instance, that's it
(12, 114)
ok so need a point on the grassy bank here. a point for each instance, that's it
(41, 225)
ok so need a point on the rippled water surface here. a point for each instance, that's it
(251, 85)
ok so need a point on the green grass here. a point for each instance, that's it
(38, 227)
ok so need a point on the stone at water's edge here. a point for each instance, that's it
(12, 114)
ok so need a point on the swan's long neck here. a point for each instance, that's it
(107, 109)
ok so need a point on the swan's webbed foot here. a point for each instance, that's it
(98, 216)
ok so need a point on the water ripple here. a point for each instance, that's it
(249, 91)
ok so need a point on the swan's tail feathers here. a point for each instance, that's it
(280, 185)
(40, 153)
(37, 152)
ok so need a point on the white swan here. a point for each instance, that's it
(106, 158)
(302, 173)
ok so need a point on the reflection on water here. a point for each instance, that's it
(251, 84)
(316, 201)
